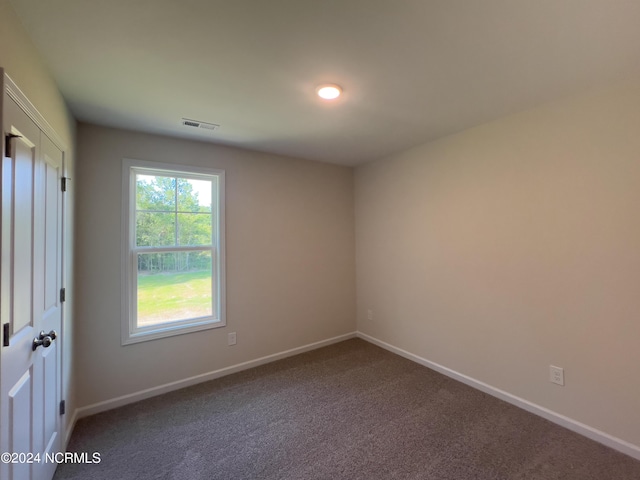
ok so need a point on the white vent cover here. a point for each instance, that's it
(187, 122)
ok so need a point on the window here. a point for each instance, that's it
(173, 250)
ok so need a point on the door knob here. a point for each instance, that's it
(45, 339)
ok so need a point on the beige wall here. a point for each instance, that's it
(290, 261)
(512, 246)
(23, 64)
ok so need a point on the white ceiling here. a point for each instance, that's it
(412, 70)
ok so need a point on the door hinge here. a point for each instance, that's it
(63, 183)
(63, 407)
(7, 143)
(5, 335)
(63, 295)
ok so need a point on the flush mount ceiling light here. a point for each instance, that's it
(329, 91)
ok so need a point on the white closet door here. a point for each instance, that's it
(30, 278)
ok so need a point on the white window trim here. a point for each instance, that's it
(129, 330)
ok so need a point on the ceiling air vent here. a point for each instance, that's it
(198, 124)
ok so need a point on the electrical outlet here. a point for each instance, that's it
(231, 338)
(556, 375)
(369, 314)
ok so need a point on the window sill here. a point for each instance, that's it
(170, 331)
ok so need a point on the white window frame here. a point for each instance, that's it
(131, 333)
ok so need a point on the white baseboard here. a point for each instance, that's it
(205, 377)
(573, 425)
(69, 430)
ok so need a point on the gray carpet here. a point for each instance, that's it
(348, 411)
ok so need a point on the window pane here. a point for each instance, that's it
(173, 286)
(194, 229)
(155, 193)
(155, 229)
(175, 253)
(194, 195)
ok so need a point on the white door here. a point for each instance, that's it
(30, 279)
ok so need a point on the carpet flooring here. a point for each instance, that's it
(347, 411)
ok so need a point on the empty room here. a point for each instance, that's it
(329, 239)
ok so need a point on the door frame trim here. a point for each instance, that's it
(23, 102)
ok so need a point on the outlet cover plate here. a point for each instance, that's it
(556, 375)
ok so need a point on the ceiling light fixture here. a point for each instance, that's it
(329, 92)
